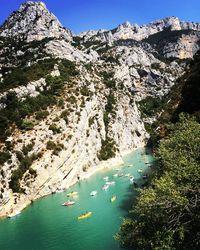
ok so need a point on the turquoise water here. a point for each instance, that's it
(46, 225)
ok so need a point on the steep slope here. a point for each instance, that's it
(180, 44)
(167, 211)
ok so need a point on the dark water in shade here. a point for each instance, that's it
(46, 225)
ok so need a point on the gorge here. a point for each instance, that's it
(73, 104)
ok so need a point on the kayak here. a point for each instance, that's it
(113, 198)
(68, 203)
(72, 194)
(83, 216)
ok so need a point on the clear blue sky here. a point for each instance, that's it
(82, 15)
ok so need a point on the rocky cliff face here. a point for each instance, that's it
(133, 31)
(33, 22)
(69, 104)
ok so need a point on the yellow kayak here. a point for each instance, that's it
(83, 216)
(72, 194)
(113, 198)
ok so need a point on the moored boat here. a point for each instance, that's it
(106, 178)
(110, 183)
(140, 170)
(105, 187)
(83, 216)
(93, 193)
(68, 203)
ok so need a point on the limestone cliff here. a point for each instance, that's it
(33, 22)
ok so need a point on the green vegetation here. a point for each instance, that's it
(40, 115)
(109, 110)
(108, 147)
(65, 115)
(150, 106)
(16, 111)
(54, 128)
(21, 76)
(167, 212)
(26, 149)
(25, 162)
(56, 147)
(4, 157)
(91, 121)
(85, 91)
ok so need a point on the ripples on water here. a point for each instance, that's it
(46, 225)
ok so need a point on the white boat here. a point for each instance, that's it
(140, 170)
(127, 175)
(110, 183)
(132, 179)
(105, 187)
(14, 214)
(93, 193)
(106, 178)
(130, 165)
(115, 175)
(60, 190)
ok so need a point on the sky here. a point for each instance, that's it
(82, 15)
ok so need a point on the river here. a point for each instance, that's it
(46, 225)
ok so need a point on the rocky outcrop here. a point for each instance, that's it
(185, 47)
(64, 50)
(33, 22)
(133, 31)
(32, 89)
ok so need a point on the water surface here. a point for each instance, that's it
(46, 225)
